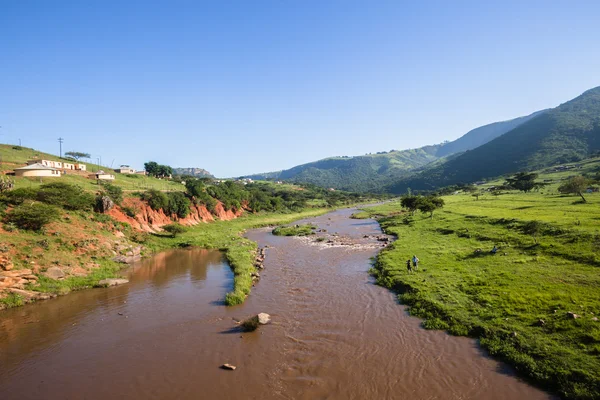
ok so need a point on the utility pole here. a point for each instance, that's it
(60, 140)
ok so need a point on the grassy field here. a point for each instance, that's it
(516, 301)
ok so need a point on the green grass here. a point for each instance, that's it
(72, 283)
(502, 298)
(227, 236)
(296, 230)
(12, 300)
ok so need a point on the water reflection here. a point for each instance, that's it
(179, 275)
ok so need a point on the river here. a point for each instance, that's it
(334, 334)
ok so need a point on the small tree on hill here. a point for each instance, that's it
(411, 203)
(575, 185)
(430, 204)
(523, 181)
(77, 155)
(158, 170)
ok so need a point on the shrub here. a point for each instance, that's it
(157, 200)
(67, 196)
(32, 216)
(178, 204)
(18, 196)
(114, 192)
(12, 300)
(174, 229)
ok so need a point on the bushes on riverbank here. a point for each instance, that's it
(533, 303)
(296, 230)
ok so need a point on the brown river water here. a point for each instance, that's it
(334, 334)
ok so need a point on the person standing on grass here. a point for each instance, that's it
(415, 261)
(408, 266)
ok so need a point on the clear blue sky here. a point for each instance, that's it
(239, 87)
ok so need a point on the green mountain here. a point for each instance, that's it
(373, 172)
(567, 133)
(483, 134)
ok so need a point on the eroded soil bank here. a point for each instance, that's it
(334, 334)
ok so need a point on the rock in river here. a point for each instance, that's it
(252, 323)
(112, 282)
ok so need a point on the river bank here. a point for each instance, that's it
(533, 303)
(334, 333)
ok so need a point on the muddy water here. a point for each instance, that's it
(335, 335)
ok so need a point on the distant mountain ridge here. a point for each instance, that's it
(197, 172)
(372, 172)
(480, 136)
(567, 133)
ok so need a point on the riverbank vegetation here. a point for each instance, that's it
(295, 230)
(518, 271)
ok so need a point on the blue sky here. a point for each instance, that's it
(239, 87)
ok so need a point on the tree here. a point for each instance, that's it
(77, 155)
(533, 228)
(151, 167)
(411, 203)
(158, 170)
(575, 185)
(430, 204)
(523, 181)
(174, 229)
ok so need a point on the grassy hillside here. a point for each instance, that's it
(519, 301)
(483, 134)
(360, 173)
(12, 157)
(570, 132)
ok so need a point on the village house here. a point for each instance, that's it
(101, 175)
(58, 164)
(37, 169)
(125, 169)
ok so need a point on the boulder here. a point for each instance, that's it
(252, 323)
(112, 282)
(264, 318)
(228, 367)
(104, 204)
(572, 315)
(53, 273)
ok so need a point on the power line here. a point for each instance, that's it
(60, 140)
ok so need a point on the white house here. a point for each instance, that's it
(37, 169)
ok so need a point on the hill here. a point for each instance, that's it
(197, 172)
(567, 133)
(483, 134)
(372, 172)
(12, 157)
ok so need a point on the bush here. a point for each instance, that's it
(178, 204)
(114, 192)
(18, 196)
(67, 196)
(174, 229)
(32, 216)
(156, 200)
